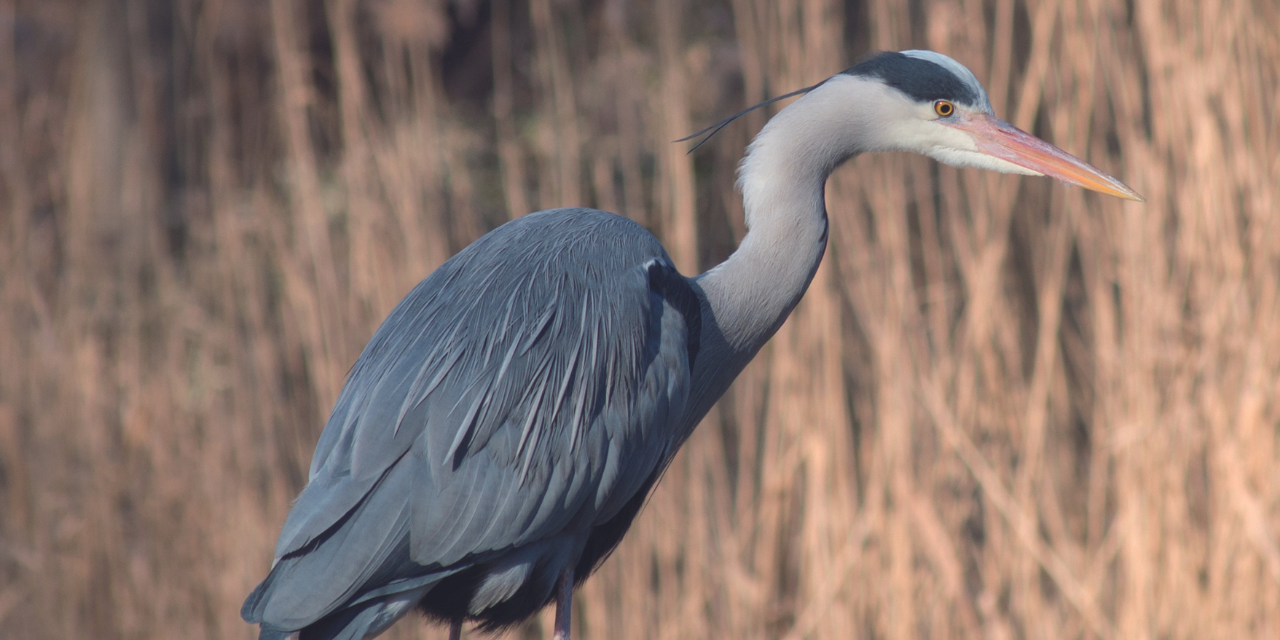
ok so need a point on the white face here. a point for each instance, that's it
(953, 133)
(950, 139)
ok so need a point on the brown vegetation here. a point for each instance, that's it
(1006, 409)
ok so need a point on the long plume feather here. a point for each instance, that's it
(715, 128)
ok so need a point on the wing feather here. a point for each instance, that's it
(528, 388)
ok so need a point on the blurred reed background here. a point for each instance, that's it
(1006, 409)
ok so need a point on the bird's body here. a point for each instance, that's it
(506, 422)
(471, 456)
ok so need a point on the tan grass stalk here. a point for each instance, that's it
(1005, 409)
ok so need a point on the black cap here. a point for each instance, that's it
(921, 79)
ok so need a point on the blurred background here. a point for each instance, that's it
(1005, 409)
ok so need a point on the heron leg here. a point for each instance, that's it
(564, 600)
(455, 629)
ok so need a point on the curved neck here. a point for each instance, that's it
(753, 292)
(782, 178)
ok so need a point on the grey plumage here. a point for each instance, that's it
(506, 422)
(469, 436)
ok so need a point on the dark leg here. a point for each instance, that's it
(564, 600)
(455, 629)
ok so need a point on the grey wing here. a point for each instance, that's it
(525, 391)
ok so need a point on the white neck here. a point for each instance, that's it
(782, 180)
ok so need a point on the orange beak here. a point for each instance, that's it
(998, 138)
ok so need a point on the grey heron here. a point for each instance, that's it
(504, 425)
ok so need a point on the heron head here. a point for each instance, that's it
(927, 103)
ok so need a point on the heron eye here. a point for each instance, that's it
(944, 108)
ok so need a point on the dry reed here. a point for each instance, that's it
(1005, 409)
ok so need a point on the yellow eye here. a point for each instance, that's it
(944, 108)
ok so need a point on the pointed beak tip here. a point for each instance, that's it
(1002, 140)
(1117, 189)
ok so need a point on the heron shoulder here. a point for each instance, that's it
(514, 344)
(532, 380)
